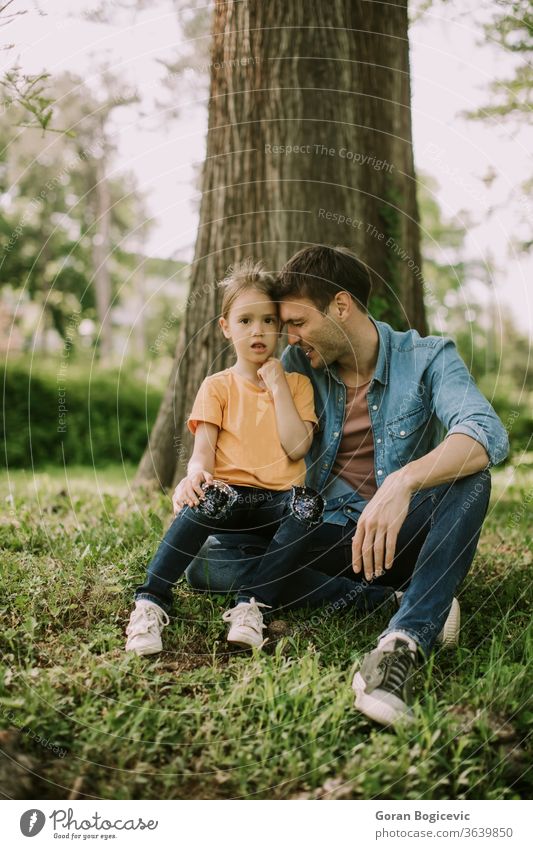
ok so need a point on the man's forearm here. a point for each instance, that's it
(458, 456)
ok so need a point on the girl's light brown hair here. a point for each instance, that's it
(244, 276)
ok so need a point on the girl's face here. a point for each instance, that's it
(253, 326)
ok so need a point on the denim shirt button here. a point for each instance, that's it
(378, 441)
(380, 471)
(336, 433)
(374, 406)
(324, 465)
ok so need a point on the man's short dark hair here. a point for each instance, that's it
(319, 272)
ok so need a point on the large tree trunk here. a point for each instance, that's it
(333, 79)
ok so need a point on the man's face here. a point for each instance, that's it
(317, 333)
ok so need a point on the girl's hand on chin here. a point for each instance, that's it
(271, 373)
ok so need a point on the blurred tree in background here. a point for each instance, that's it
(461, 303)
(27, 91)
(66, 222)
(511, 98)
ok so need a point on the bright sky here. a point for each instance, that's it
(450, 72)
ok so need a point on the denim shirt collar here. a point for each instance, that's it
(381, 372)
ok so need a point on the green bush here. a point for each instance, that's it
(107, 418)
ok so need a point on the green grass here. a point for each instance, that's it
(201, 722)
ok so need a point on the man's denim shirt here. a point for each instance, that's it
(420, 392)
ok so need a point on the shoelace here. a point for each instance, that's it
(144, 619)
(396, 665)
(244, 614)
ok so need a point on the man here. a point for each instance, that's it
(402, 507)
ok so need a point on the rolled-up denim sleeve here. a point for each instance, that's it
(460, 406)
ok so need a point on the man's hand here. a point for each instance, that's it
(374, 543)
(271, 373)
(189, 490)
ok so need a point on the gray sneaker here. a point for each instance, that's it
(383, 685)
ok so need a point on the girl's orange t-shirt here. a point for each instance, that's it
(248, 450)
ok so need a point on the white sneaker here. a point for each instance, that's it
(247, 625)
(449, 636)
(147, 620)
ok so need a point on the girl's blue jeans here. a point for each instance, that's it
(274, 519)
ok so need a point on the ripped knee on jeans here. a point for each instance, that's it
(218, 501)
(307, 505)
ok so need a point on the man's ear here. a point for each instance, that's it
(342, 305)
(223, 324)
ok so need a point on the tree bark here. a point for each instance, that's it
(309, 141)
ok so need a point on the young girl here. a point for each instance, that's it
(253, 424)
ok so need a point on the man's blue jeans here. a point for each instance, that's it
(282, 528)
(435, 549)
